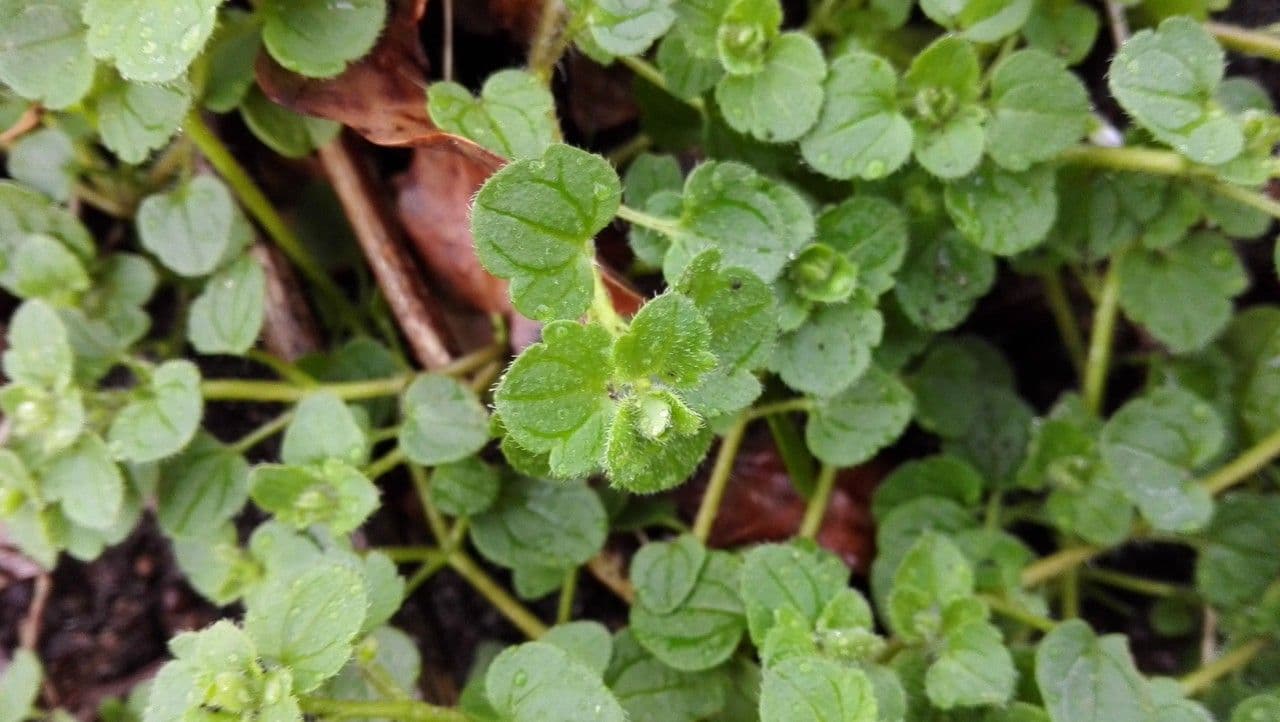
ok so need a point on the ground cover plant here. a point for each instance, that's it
(732, 360)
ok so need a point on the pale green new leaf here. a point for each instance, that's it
(43, 268)
(443, 421)
(746, 30)
(973, 667)
(831, 350)
(945, 80)
(1166, 79)
(332, 493)
(629, 27)
(45, 160)
(43, 54)
(533, 223)
(515, 115)
(985, 21)
(150, 41)
(781, 101)
(308, 624)
(1086, 678)
(38, 353)
(814, 689)
(87, 483)
(860, 130)
(668, 341)
(163, 415)
(317, 38)
(465, 488)
(540, 682)
(849, 428)
(1039, 108)
(323, 427)
(872, 233)
(136, 118)
(1002, 212)
(686, 75)
(656, 441)
(665, 573)
(933, 574)
(201, 489)
(551, 525)
(799, 575)
(227, 316)
(704, 630)
(194, 228)
(19, 685)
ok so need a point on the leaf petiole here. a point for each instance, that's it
(665, 226)
(719, 479)
(818, 502)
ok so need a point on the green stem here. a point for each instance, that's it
(1098, 359)
(1236, 659)
(1015, 612)
(1242, 467)
(719, 480)
(550, 40)
(1063, 560)
(435, 520)
(1258, 43)
(779, 407)
(602, 309)
(1140, 160)
(644, 69)
(262, 433)
(381, 679)
(1130, 583)
(282, 368)
(513, 610)
(283, 391)
(665, 226)
(1254, 199)
(796, 456)
(1071, 593)
(405, 554)
(1055, 294)
(404, 710)
(817, 508)
(994, 510)
(255, 201)
(564, 609)
(385, 463)
(425, 572)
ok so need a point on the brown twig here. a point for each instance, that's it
(1118, 21)
(606, 567)
(29, 119)
(408, 297)
(289, 329)
(29, 630)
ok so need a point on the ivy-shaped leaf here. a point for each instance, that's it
(1001, 212)
(465, 488)
(665, 573)
(194, 228)
(201, 489)
(330, 492)
(799, 575)
(650, 691)
(860, 130)
(443, 421)
(781, 101)
(227, 315)
(705, 628)
(550, 525)
(136, 118)
(1073, 664)
(163, 415)
(150, 41)
(514, 115)
(628, 27)
(849, 428)
(43, 53)
(86, 482)
(540, 682)
(942, 277)
(1039, 108)
(831, 350)
(813, 689)
(1235, 566)
(945, 81)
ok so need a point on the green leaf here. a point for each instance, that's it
(162, 417)
(1065, 28)
(533, 223)
(149, 41)
(539, 682)
(754, 104)
(849, 428)
(322, 428)
(813, 689)
(667, 341)
(43, 55)
(308, 624)
(1166, 79)
(227, 315)
(555, 397)
(831, 350)
(945, 81)
(589, 643)
(443, 421)
(514, 115)
(747, 28)
(137, 118)
(1086, 678)
(984, 21)
(655, 442)
(942, 279)
(49, 420)
(650, 691)
(686, 74)
(1002, 212)
(1252, 341)
(755, 221)
(201, 489)
(629, 27)
(38, 351)
(87, 483)
(288, 133)
(799, 575)
(19, 686)
(1236, 565)
(465, 488)
(24, 211)
(552, 525)
(973, 667)
(697, 24)
(1257, 708)
(1153, 444)
(942, 476)
(195, 228)
(43, 268)
(704, 630)
(933, 574)
(331, 493)
(318, 38)
(739, 311)
(232, 50)
(1039, 108)
(45, 160)
(860, 130)
(665, 573)
(1183, 295)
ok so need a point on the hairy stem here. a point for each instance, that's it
(406, 710)
(1130, 583)
(1242, 467)
(1055, 294)
(817, 508)
(262, 433)
(1258, 43)
(1015, 612)
(644, 69)
(283, 391)
(665, 226)
(1236, 659)
(1057, 563)
(779, 407)
(509, 606)
(564, 608)
(1098, 359)
(602, 309)
(719, 480)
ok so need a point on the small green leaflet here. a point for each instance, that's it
(984, 21)
(307, 624)
(1183, 295)
(942, 476)
(665, 573)
(41, 267)
(533, 223)
(43, 54)
(232, 50)
(1002, 212)
(650, 691)
(329, 492)
(747, 29)
(227, 315)
(150, 41)
(541, 524)
(514, 116)
(1073, 664)
(703, 631)
(1153, 444)
(799, 575)
(973, 668)
(464, 488)
(201, 489)
(589, 643)
(194, 228)
(136, 118)
(1236, 565)
(290, 134)
(19, 686)
(1065, 28)
(813, 689)
(1166, 79)
(849, 428)
(945, 81)
(45, 160)
(668, 340)
(831, 350)
(627, 27)
(317, 38)
(686, 74)
(1039, 108)
(540, 682)
(323, 427)
(163, 415)
(782, 101)
(860, 130)
(443, 421)
(932, 575)
(86, 482)
(941, 279)
(39, 353)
